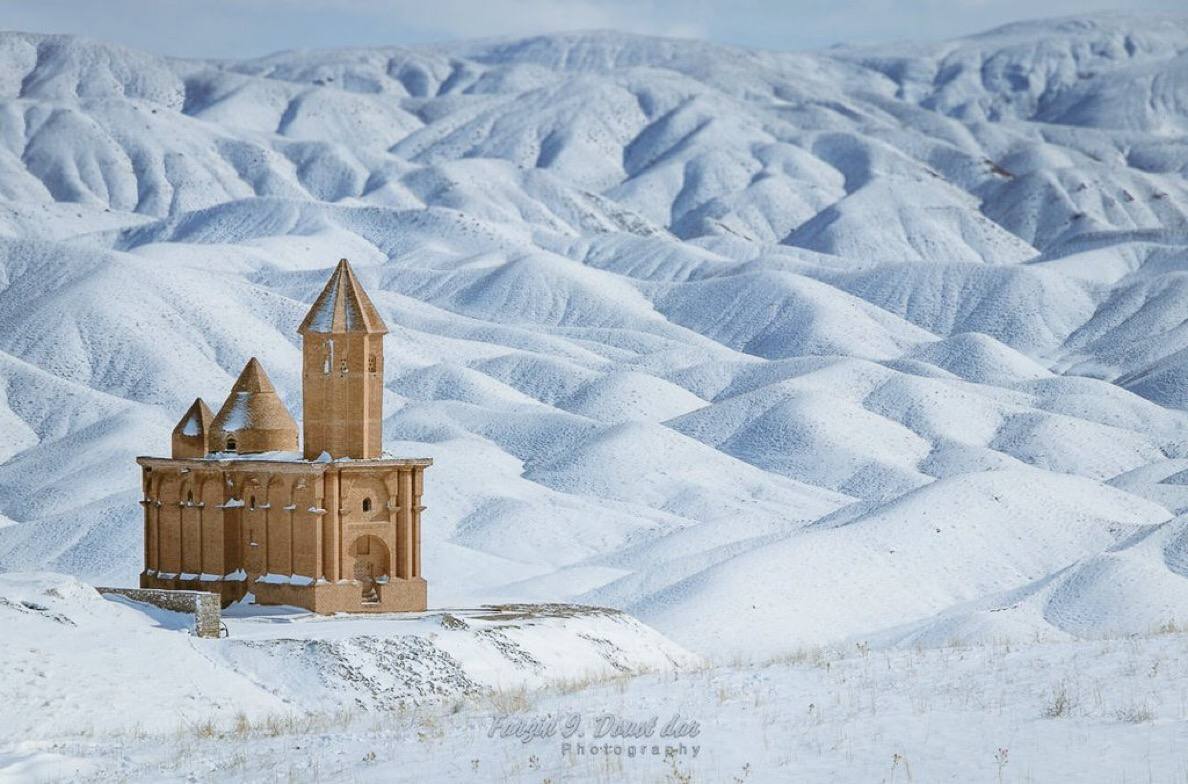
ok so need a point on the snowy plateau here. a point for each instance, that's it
(855, 381)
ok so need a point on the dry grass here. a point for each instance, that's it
(272, 725)
(1135, 714)
(509, 700)
(1060, 704)
(621, 680)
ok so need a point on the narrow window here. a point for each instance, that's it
(342, 366)
(253, 502)
(230, 444)
(366, 504)
(371, 364)
(189, 496)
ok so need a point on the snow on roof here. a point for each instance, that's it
(253, 405)
(238, 415)
(195, 421)
(287, 456)
(192, 426)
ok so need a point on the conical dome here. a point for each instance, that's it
(190, 435)
(253, 419)
(343, 306)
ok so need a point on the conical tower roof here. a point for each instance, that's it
(196, 421)
(191, 437)
(343, 306)
(253, 419)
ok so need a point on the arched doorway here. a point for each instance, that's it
(371, 566)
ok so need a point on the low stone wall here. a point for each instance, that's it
(204, 606)
(229, 591)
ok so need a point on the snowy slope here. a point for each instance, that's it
(285, 660)
(687, 329)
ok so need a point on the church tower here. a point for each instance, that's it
(342, 377)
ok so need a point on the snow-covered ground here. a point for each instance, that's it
(82, 663)
(881, 346)
(294, 699)
(1085, 712)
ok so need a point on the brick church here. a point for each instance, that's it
(325, 522)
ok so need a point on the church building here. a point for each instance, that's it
(325, 522)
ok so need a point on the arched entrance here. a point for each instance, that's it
(371, 566)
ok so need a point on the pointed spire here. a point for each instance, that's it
(196, 420)
(343, 306)
(253, 419)
(253, 379)
(190, 435)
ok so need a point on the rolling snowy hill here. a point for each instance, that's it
(769, 349)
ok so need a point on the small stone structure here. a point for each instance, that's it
(203, 605)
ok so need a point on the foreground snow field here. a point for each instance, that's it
(100, 689)
(1086, 711)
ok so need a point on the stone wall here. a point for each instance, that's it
(203, 605)
(231, 590)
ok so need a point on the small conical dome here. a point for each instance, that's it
(190, 435)
(343, 306)
(253, 419)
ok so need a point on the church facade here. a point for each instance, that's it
(243, 506)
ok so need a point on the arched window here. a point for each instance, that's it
(189, 496)
(366, 504)
(252, 502)
(230, 444)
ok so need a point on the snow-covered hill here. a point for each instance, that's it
(79, 663)
(770, 349)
